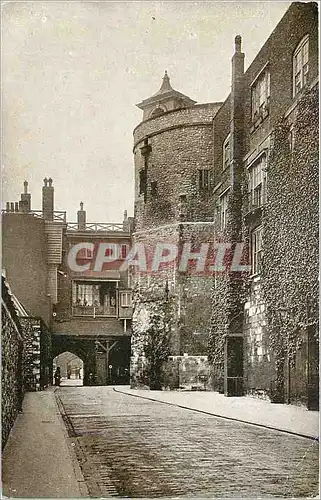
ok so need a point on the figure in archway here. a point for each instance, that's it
(57, 376)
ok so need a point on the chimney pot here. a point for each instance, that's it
(8, 206)
(48, 199)
(25, 187)
(238, 43)
(11, 206)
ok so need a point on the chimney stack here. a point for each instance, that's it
(237, 111)
(48, 199)
(81, 217)
(25, 201)
(125, 222)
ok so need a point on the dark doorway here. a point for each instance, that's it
(233, 383)
(113, 361)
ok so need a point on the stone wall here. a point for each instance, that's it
(11, 364)
(180, 143)
(37, 367)
(186, 372)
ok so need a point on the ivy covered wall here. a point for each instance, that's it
(290, 236)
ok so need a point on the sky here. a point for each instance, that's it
(73, 71)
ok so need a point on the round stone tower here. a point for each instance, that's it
(173, 156)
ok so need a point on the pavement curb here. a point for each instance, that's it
(268, 427)
(71, 441)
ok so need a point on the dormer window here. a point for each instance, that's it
(260, 96)
(301, 65)
(227, 152)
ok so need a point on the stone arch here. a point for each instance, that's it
(84, 349)
(71, 366)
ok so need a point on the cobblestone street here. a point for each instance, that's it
(132, 447)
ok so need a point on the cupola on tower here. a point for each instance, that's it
(166, 99)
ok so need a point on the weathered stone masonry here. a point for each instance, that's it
(170, 151)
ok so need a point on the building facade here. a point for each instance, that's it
(72, 278)
(259, 150)
(266, 194)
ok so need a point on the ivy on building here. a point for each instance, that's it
(290, 235)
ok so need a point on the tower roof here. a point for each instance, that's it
(166, 92)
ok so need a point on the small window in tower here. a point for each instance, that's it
(204, 179)
(142, 181)
(153, 188)
(157, 112)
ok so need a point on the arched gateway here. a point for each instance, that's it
(106, 361)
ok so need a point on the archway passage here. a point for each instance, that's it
(71, 368)
(81, 348)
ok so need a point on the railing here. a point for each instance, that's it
(57, 215)
(96, 226)
(94, 311)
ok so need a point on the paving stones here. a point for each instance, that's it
(131, 447)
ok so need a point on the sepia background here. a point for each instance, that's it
(72, 73)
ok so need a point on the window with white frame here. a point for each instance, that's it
(260, 95)
(256, 250)
(227, 152)
(223, 209)
(301, 65)
(257, 182)
(125, 299)
(94, 299)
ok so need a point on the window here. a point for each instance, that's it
(142, 181)
(125, 299)
(227, 152)
(123, 251)
(257, 183)
(157, 112)
(301, 65)
(223, 209)
(94, 299)
(153, 188)
(261, 96)
(85, 253)
(256, 250)
(204, 179)
(291, 138)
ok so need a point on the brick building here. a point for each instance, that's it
(68, 277)
(266, 183)
(248, 168)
